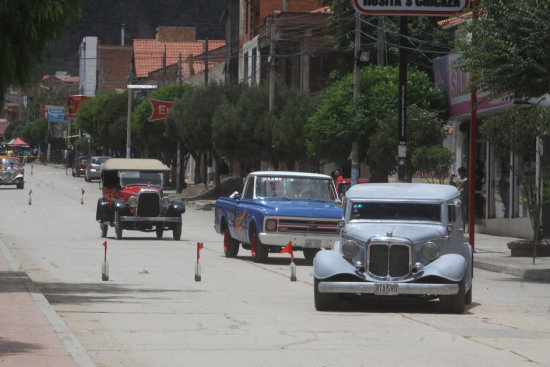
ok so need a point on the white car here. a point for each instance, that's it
(398, 240)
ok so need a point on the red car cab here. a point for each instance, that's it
(133, 198)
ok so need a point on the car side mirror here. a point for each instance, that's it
(235, 196)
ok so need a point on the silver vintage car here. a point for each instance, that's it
(399, 241)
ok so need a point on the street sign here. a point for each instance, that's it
(55, 113)
(410, 7)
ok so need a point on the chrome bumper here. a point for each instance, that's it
(150, 219)
(404, 288)
(298, 240)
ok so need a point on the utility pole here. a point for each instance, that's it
(354, 156)
(402, 101)
(380, 41)
(271, 62)
(164, 67)
(206, 62)
(178, 151)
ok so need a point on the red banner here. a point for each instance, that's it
(160, 109)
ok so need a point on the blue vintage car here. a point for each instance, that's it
(277, 207)
(398, 241)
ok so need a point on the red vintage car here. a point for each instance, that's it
(79, 167)
(133, 198)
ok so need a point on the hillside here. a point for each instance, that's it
(103, 18)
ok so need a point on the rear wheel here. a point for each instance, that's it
(325, 301)
(104, 229)
(118, 226)
(260, 251)
(468, 299)
(160, 230)
(230, 245)
(176, 232)
(20, 185)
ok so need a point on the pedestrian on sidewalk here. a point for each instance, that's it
(461, 183)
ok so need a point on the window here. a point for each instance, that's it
(249, 193)
(396, 211)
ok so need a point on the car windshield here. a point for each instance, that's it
(140, 178)
(302, 188)
(10, 162)
(396, 211)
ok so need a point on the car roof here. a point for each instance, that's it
(134, 164)
(288, 174)
(402, 191)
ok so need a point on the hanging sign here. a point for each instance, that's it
(411, 7)
(160, 109)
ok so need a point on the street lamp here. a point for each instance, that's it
(129, 119)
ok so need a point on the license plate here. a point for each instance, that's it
(386, 289)
(313, 244)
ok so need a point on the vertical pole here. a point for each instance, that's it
(380, 41)
(472, 142)
(128, 125)
(271, 62)
(402, 101)
(356, 83)
(206, 62)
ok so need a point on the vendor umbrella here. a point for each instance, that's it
(18, 142)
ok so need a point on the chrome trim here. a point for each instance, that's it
(404, 288)
(149, 219)
(389, 242)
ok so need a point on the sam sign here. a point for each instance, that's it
(410, 7)
(160, 109)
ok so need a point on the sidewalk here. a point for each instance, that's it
(32, 334)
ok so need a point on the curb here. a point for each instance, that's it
(527, 274)
(70, 342)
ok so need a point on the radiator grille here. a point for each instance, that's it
(148, 204)
(316, 226)
(389, 260)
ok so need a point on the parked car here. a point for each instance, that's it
(12, 172)
(278, 207)
(93, 167)
(133, 198)
(398, 241)
(79, 167)
(343, 185)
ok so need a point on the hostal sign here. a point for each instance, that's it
(410, 7)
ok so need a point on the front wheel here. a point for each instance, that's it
(325, 301)
(454, 303)
(309, 253)
(260, 251)
(230, 245)
(118, 226)
(20, 185)
(176, 232)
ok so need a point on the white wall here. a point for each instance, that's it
(88, 66)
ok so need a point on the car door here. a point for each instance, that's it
(242, 211)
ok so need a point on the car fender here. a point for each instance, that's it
(177, 207)
(102, 212)
(328, 263)
(450, 266)
(120, 206)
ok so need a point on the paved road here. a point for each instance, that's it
(152, 313)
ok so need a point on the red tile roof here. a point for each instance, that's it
(148, 54)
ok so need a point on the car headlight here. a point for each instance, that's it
(429, 251)
(166, 202)
(132, 201)
(350, 249)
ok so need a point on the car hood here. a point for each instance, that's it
(303, 208)
(414, 232)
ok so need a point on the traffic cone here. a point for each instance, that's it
(105, 265)
(200, 246)
(288, 249)
(30, 197)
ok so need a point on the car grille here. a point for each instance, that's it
(389, 260)
(316, 226)
(148, 204)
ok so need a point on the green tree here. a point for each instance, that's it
(14, 129)
(37, 133)
(510, 48)
(158, 138)
(339, 121)
(516, 131)
(26, 28)
(434, 159)
(424, 130)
